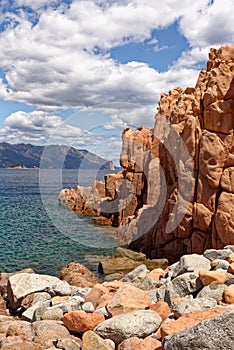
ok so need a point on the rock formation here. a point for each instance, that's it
(175, 194)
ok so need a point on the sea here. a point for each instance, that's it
(37, 232)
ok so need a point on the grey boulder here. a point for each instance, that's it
(213, 334)
(133, 324)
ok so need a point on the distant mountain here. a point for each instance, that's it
(52, 156)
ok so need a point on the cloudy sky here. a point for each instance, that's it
(77, 71)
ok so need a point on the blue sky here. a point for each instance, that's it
(77, 71)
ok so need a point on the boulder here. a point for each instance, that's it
(78, 275)
(162, 309)
(49, 331)
(213, 333)
(127, 253)
(214, 254)
(123, 264)
(191, 263)
(229, 294)
(4, 277)
(22, 284)
(91, 341)
(212, 277)
(80, 321)
(219, 264)
(126, 299)
(135, 343)
(67, 344)
(214, 291)
(48, 313)
(137, 323)
(188, 320)
(139, 271)
(180, 308)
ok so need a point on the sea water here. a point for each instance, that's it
(36, 232)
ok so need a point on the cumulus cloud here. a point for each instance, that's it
(60, 58)
(39, 126)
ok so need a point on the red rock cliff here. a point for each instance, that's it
(195, 209)
(176, 192)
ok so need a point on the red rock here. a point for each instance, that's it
(162, 309)
(149, 343)
(78, 275)
(99, 296)
(189, 320)
(80, 321)
(129, 343)
(135, 343)
(228, 294)
(212, 277)
(128, 298)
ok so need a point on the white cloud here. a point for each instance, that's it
(62, 60)
(38, 127)
(211, 26)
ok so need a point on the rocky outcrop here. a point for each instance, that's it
(194, 127)
(175, 194)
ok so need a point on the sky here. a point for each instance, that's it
(77, 72)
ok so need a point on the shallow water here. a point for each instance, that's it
(36, 232)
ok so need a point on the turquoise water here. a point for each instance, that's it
(36, 232)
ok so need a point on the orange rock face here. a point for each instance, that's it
(188, 320)
(200, 119)
(175, 195)
(212, 277)
(80, 321)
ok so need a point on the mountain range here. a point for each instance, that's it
(52, 156)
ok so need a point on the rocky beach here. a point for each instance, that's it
(175, 288)
(189, 304)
